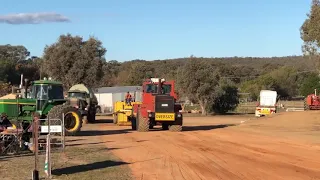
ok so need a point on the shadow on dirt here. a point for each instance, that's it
(84, 144)
(73, 140)
(104, 121)
(102, 132)
(206, 128)
(237, 114)
(86, 167)
(7, 157)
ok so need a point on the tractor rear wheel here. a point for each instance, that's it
(91, 115)
(133, 123)
(165, 126)
(142, 123)
(72, 118)
(306, 106)
(176, 126)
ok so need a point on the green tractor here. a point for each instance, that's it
(45, 97)
(83, 98)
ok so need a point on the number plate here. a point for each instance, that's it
(164, 117)
(265, 111)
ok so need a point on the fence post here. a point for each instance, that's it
(63, 132)
(35, 124)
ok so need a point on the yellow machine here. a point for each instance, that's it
(121, 112)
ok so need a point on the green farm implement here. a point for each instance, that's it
(46, 98)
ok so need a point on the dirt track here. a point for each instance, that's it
(281, 147)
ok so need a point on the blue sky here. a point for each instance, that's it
(160, 29)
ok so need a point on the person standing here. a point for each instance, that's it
(128, 98)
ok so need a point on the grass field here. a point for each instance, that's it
(75, 163)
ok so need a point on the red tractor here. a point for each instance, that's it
(312, 102)
(158, 107)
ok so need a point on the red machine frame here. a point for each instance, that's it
(312, 102)
(147, 109)
(148, 99)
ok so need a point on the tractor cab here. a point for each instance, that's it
(77, 94)
(46, 90)
(80, 100)
(156, 86)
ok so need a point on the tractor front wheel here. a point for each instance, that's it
(141, 122)
(72, 118)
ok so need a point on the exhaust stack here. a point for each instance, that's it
(159, 86)
(21, 81)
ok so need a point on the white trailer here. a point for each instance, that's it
(267, 103)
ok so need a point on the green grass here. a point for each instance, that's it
(75, 163)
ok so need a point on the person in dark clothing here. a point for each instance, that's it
(4, 122)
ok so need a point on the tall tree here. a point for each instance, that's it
(13, 53)
(73, 60)
(138, 72)
(197, 80)
(14, 61)
(311, 83)
(310, 34)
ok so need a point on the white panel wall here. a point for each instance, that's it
(105, 101)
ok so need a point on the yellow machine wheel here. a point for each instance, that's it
(72, 118)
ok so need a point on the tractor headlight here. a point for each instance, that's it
(150, 115)
(179, 115)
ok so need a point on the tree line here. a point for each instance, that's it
(214, 83)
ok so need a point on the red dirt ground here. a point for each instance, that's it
(284, 146)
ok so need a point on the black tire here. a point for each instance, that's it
(98, 109)
(306, 106)
(142, 123)
(92, 115)
(133, 123)
(175, 128)
(151, 123)
(165, 126)
(177, 125)
(72, 119)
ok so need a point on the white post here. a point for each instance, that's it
(47, 167)
(63, 132)
(48, 152)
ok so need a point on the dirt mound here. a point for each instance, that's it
(9, 96)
